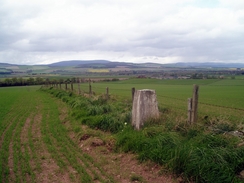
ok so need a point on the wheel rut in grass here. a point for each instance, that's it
(25, 149)
(17, 164)
(6, 147)
(4, 131)
(96, 173)
(46, 168)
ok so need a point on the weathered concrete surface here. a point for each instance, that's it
(145, 106)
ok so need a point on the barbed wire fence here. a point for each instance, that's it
(177, 105)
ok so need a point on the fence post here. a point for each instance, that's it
(90, 88)
(189, 103)
(133, 93)
(60, 85)
(107, 93)
(194, 103)
(78, 80)
(71, 84)
(66, 86)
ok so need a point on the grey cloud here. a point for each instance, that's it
(113, 29)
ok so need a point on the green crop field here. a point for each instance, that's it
(34, 144)
(223, 98)
(44, 132)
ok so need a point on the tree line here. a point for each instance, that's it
(15, 81)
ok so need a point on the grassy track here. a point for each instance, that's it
(35, 145)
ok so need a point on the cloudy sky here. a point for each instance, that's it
(160, 31)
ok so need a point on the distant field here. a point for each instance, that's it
(98, 70)
(216, 97)
(3, 70)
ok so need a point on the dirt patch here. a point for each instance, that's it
(84, 137)
(97, 142)
(123, 167)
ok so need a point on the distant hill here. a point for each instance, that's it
(7, 65)
(114, 64)
(208, 64)
(108, 65)
(74, 63)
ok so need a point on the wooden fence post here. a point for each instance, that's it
(107, 93)
(194, 104)
(78, 80)
(189, 103)
(60, 86)
(71, 84)
(66, 86)
(90, 88)
(133, 93)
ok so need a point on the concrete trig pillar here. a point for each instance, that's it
(145, 106)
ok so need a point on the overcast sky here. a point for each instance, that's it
(161, 31)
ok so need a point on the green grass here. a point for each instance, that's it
(198, 156)
(8, 97)
(11, 124)
(205, 152)
(201, 153)
(21, 146)
(217, 98)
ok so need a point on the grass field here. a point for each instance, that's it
(222, 98)
(98, 70)
(35, 146)
(41, 135)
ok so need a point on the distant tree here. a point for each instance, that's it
(47, 81)
(194, 76)
(15, 81)
(39, 80)
(21, 81)
(31, 81)
(8, 82)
